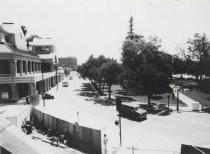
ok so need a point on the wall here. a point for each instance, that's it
(79, 137)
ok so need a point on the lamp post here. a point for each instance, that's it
(43, 87)
(177, 105)
(120, 128)
(78, 117)
(168, 100)
(118, 107)
(56, 71)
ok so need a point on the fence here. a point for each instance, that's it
(79, 137)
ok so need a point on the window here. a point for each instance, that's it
(42, 49)
(7, 38)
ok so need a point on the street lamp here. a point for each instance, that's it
(177, 105)
(118, 106)
(56, 71)
(168, 96)
(43, 89)
(78, 117)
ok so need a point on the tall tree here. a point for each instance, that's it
(24, 29)
(111, 73)
(146, 67)
(30, 39)
(199, 50)
(130, 32)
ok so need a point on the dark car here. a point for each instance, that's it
(47, 96)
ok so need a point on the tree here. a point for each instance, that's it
(199, 51)
(30, 39)
(111, 73)
(145, 66)
(24, 29)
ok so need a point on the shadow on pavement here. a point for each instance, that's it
(87, 90)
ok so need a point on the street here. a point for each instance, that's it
(157, 134)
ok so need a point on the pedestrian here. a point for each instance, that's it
(105, 141)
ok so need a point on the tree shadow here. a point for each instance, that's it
(88, 90)
(127, 92)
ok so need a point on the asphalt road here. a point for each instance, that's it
(157, 134)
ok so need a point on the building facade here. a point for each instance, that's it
(23, 72)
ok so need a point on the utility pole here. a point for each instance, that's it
(78, 117)
(168, 101)
(120, 128)
(56, 71)
(119, 108)
(177, 105)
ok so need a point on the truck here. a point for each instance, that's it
(132, 110)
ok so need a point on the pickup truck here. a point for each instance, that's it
(133, 110)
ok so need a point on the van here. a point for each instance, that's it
(133, 110)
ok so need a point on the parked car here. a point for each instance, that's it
(47, 96)
(133, 110)
(65, 83)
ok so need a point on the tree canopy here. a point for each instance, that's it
(101, 71)
(146, 66)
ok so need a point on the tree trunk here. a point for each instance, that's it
(110, 91)
(103, 86)
(149, 97)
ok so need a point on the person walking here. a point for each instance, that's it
(105, 141)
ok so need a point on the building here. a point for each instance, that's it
(24, 72)
(68, 62)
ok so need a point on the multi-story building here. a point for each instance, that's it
(68, 62)
(24, 72)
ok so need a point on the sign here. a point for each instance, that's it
(4, 95)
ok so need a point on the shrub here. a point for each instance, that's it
(204, 86)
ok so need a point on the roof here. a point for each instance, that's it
(4, 49)
(41, 41)
(9, 48)
(132, 104)
(47, 56)
(10, 28)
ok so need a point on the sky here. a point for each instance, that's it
(84, 27)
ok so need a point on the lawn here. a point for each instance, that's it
(118, 91)
(88, 90)
(198, 96)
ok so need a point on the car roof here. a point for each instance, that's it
(132, 103)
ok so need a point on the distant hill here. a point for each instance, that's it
(67, 61)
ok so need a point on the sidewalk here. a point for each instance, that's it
(188, 101)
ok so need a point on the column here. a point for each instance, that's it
(39, 68)
(33, 67)
(33, 88)
(14, 91)
(13, 67)
(30, 67)
(26, 68)
(21, 67)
